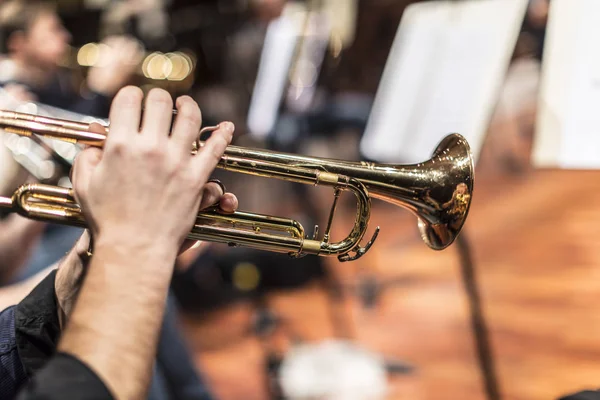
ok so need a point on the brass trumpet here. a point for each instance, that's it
(438, 192)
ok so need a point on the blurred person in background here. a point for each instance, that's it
(35, 43)
(18, 235)
(18, 238)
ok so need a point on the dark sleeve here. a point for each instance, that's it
(37, 328)
(12, 373)
(51, 376)
(28, 335)
(65, 377)
(587, 395)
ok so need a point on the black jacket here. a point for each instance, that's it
(587, 395)
(29, 333)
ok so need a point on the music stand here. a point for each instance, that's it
(444, 74)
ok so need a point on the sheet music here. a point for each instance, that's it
(305, 71)
(443, 75)
(275, 61)
(568, 125)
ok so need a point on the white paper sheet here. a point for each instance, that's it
(276, 58)
(443, 75)
(568, 124)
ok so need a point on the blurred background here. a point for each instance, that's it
(302, 77)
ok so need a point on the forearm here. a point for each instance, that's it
(119, 342)
(18, 235)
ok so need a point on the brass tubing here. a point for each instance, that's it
(56, 204)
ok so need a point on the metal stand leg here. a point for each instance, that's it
(478, 323)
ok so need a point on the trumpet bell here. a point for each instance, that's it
(446, 192)
(437, 191)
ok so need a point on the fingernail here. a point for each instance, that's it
(229, 204)
(227, 125)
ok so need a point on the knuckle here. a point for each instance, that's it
(75, 170)
(94, 155)
(117, 145)
(152, 149)
(215, 188)
(154, 153)
(130, 96)
(217, 147)
(160, 97)
(188, 176)
(186, 100)
(194, 181)
(211, 192)
(190, 112)
(77, 162)
(76, 181)
(78, 186)
(212, 152)
(216, 155)
(178, 165)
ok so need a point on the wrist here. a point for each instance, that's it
(125, 290)
(137, 248)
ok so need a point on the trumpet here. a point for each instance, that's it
(437, 191)
(45, 160)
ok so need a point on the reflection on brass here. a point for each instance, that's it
(437, 191)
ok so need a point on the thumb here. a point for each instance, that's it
(83, 167)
